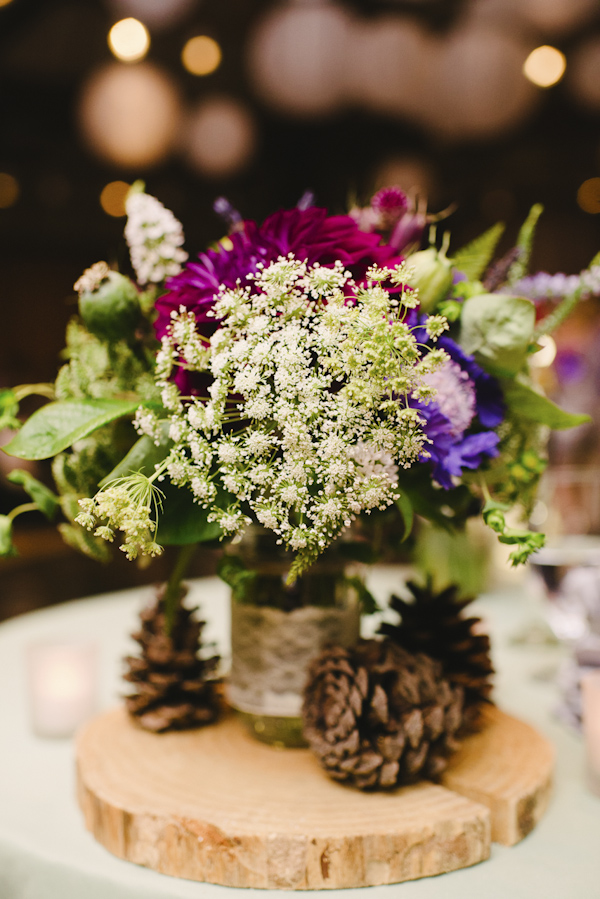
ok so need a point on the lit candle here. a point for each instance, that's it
(590, 692)
(62, 686)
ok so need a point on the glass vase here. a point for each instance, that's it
(278, 629)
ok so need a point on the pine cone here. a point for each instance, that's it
(171, 687)
(434, 624)
(377, 716)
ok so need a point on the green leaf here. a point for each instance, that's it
(143, 456)
(81, 540)
(407, 511)
(7, 547)
(367, 601)
(47, 501)
(524, 242)
(474, 258)
(9, 407)
(497, 329)
(57, 426)
(527, 403)
(183, 521)
(595, 260)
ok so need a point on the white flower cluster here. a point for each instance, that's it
(308, 414)
(155, 238)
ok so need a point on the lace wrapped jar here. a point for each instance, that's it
(277, 629)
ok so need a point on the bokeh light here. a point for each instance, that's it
(5, 2)
(221, 137)
(130, 115)
(157, 14)
(588, 195)
(545, 66)
(9, 190)
(476, 84)
(113, 196)
(201, 55)
(546, 356)
(129, 40)
(297, 56)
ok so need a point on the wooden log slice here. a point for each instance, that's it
(507, 766)
(216, 805)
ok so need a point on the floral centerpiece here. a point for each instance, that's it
(301, 375)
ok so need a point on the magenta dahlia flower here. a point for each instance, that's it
(309, 234)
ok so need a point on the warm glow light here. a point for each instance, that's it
(221, 137)
(112, 198)
(545, 66)
(129, 40)
(588, 195)
(130, 115)
(9, 190)
(201, 55)
(5, 2)
(544, 357)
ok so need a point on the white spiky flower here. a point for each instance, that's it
(155, 238)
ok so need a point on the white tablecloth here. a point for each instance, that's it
(45, 852)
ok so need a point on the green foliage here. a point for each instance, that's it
(46, 501)
(474, 258)
(97, 370)
(112, 310)
(447, 509)
(183, 521)
(232, 569)
(527, 403)
(519, 267)
(143, 456)
(7, 547)
(9, 408)
(407, 511)
(368, 603)
(497, 330)
(57, 426)
(525, 542)
(81, 540)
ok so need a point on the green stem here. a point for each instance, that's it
(25, 507)
(171, 598)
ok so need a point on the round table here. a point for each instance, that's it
(46, 853)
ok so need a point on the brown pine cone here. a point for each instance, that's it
(377, 716)
(434, 623)
(172, 689)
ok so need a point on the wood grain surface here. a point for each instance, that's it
(508, 766)
(215, 805)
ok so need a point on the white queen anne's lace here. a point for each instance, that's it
(308, 416)
(155, 238)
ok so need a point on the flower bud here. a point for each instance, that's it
(433, 276)
(112, 310)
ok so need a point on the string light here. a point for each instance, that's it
(112, 198)
(545, 66)
(201, 55)
(129, 40)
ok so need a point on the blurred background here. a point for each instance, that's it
(491, 105)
